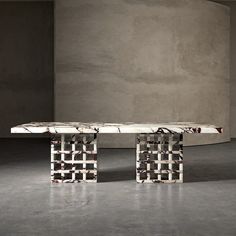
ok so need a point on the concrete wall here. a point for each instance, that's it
(233, 71)
(26, 63)
(142, 61)
(232, 6)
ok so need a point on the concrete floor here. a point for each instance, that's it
(29, 205)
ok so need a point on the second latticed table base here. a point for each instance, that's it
(159, 158)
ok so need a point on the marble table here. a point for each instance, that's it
(159, 148)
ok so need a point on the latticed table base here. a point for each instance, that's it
(74, 158)
(159, 158)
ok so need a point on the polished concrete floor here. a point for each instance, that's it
(29, 205)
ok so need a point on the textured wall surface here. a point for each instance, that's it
(233, 71)
(142, 61)
(26, 63)
(232, 5)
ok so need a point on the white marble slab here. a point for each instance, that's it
(79, 127)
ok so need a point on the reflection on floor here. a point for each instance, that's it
(29, 205)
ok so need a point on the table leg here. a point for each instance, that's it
(159, 158)
(73, 158)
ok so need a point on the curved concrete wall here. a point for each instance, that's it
(142, 61)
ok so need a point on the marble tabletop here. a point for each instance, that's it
(128, 127)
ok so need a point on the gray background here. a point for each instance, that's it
(232, 5)
(233, 70)
(142, 61)
(26, 65)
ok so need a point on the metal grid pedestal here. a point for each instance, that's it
(159, 158)
(74, 158)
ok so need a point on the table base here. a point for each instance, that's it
(159, 158)
(74, 158)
